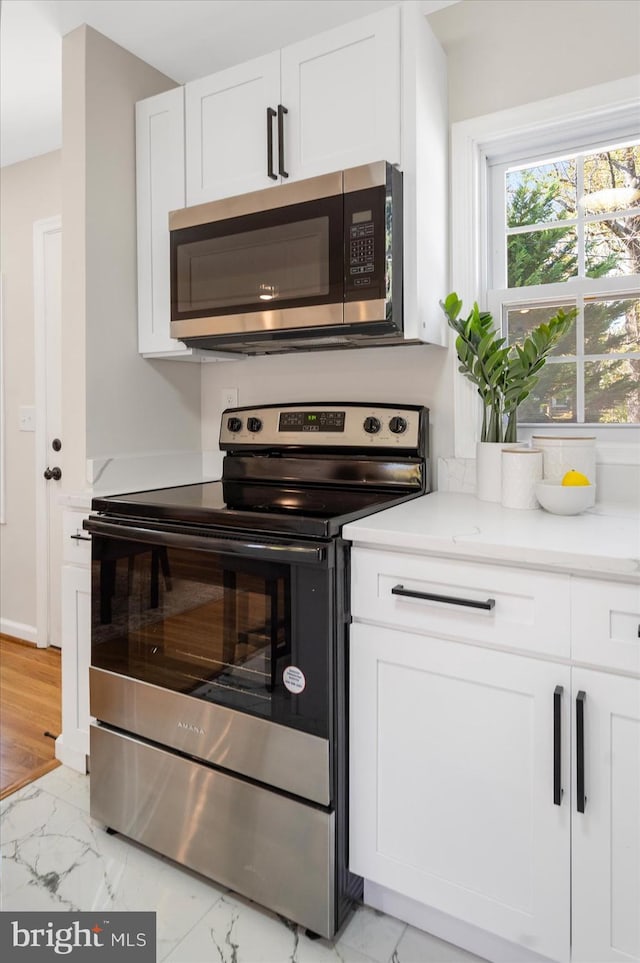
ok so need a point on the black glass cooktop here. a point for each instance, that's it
(278, 509)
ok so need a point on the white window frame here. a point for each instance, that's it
(607, 111)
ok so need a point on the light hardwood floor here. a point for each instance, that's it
(29, 707)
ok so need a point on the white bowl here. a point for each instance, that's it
(562, 499)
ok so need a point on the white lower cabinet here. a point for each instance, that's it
(72, 746)
(606, 835)
(458, 750)
(452, 779)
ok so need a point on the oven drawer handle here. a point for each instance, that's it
(430, 597)
(204, 543)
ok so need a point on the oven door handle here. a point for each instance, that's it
(251, 548)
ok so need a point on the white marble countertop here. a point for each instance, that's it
(604, 541)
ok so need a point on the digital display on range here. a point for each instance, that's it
(311, 421)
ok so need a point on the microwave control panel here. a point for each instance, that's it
(361, 249)
(364, 221)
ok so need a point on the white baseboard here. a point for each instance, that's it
(71, 757)
(19, 630)
(447, 928)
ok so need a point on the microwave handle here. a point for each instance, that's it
(281, 112)
(270, 172)
(251, 548)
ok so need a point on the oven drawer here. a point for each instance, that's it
(294, 761)
(261, 844)
(487, 604)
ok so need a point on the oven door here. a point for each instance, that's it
(215, 646)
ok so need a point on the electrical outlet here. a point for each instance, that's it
(229, 398)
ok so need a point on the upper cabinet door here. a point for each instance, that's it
(226, 130)
(160, 189)
(342, 93)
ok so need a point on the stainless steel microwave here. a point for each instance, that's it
(310, 264)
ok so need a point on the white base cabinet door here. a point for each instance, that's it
(452, 782)
(606, 834)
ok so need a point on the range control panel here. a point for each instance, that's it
(331, 425)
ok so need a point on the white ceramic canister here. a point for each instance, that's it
(564, 453)
(489, 470)
(521, 470)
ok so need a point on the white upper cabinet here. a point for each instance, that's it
(226, 130)
(335, 100)
(371, 90)
(342, 93)
(159, 189)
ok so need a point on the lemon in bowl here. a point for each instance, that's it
(570, 496)
(573, 477)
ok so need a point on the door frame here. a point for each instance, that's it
(47, 386)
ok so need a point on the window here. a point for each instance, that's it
(566, 233)
(562, 143)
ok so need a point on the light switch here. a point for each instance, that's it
(27, 418)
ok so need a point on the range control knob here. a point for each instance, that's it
(398, 425)
(254, 424)
(234, 424)
(371, 425)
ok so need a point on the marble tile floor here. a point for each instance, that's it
(55, 857)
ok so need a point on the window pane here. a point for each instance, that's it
(610, 180)
(612, 392)
(543, 193)
(542, 257)
(612, 325)
(553, 400)
(613, 247)
(522, 320)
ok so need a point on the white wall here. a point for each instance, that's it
(130, 406)
(30, 191)
(501, 53)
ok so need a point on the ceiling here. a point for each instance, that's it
(184, 39)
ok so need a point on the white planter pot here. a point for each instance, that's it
(489, 470)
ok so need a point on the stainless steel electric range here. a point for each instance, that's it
(219, 651)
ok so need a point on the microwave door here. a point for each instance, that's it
(279, 268)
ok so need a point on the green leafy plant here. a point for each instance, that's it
(503, 374)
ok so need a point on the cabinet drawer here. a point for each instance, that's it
(520, 609)
(605, 624)
(76, 543)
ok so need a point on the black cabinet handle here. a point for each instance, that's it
(582, 799)
(81, 538)
(470, 603)
(270, 115)
(557, 745)
(281, 112)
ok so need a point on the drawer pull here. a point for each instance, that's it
(81, 538)
(470, 603)
(582, 799)
(557, 746)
